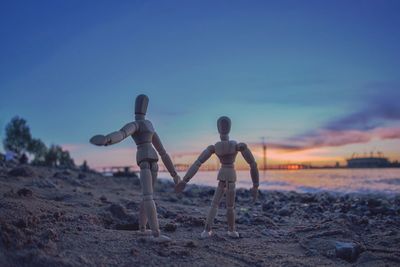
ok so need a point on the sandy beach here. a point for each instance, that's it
(56, 217)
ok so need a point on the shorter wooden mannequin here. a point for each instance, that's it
(226, 150)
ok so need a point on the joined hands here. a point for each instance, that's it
(254, 193)
(180, 186)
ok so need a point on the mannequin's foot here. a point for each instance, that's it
(205, 234)
(233, 234)
(160, 239)
(145, 232)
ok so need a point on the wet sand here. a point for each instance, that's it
(53, 217)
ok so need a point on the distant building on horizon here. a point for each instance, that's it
(368, 162)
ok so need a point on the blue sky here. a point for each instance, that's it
(320, 75)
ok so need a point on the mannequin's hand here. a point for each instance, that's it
(177, 179)
(98, 140)
(254, 193)
(180, 186)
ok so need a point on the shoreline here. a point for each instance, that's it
(305, 191)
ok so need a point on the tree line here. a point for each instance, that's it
(18, 139)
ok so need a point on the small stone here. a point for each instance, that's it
(135, 252)
(374, 202)
(57, 215)
(28, 231)
(58, 175)
(50, 234)
(285, 211)
(103, 199)
(347, 251)
(270, 232)
(25, 192)
(43, 183)
(191, 244)
(127, 226)
(269, 222)
(243, 220)
(142, 240)
(170, 227)
(118, 211)
(257, 220)
(20, 223)
(187, 201)
(307, 198)
(172, 199)
(131, 205)
(207, 192)
(268, 206)
(169, 214)
(161, 210)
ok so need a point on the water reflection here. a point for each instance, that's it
(339, 180)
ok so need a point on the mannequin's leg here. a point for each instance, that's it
(154, 172)
(148, 203)
(219, 192)
(142, 213)
(230, 208)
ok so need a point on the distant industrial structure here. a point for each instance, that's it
(371, 161)
(264, 146)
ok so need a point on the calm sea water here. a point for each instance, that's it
(385, 181)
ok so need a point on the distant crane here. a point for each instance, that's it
(264, 146)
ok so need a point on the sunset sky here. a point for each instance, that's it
(318, 79)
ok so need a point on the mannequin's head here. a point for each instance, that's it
(224, 127)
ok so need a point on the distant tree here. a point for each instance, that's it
(52, 156)
(38, 149)
(56, 156)
(65, 159)
(19, 140)
(18, 136)
(84, 167)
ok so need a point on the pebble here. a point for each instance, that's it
(170, 227)
(190, 244)
(285, 211)
(25, 192)
(268, 206)
(347, 250)
(21, 223)
(118, 211)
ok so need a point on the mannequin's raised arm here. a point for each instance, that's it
(115, 137)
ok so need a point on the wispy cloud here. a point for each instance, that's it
(334, 138)
(381, 104)
(380, 109)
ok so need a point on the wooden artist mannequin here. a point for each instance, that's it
(226, 150)
(142, 132)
